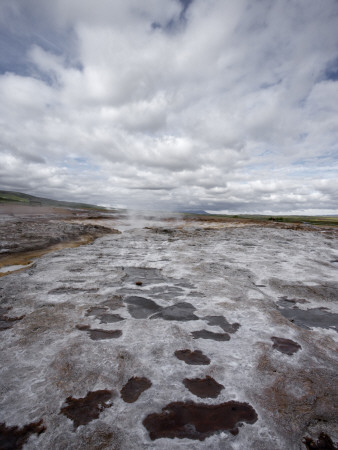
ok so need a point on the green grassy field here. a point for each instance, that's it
(311, 220)
(18, 197)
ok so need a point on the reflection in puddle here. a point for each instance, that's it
(83, 410)
(140, 307)
(182, 312)
(308, 318)
(286, 346)
(134, 388)
(203, 387)
(198, 421)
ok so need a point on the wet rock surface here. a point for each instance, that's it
(203, 387)
(134, 388)
(286, 346)
(198, 421)
(193, 358)
(83, 410)
(226, 280)
(14, 438)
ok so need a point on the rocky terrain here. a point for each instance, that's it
(172, 334)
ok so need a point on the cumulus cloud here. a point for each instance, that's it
(224, 106)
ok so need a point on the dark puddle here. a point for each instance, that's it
(7, 322)
(140, 307)
(308, 318)
(134, 388)
(198, 421)
(205, 334)
(286, 346)
(192, 358)
(203, 387)
(99, 335)
(324, 442)
(83, 410)
(181, 312)
(221, 322)
(12, 438)
(103, 316)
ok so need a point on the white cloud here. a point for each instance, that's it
(228, 109)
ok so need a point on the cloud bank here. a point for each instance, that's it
(179, 104)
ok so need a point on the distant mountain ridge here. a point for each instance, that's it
(26, 199)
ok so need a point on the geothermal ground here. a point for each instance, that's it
(167, 333)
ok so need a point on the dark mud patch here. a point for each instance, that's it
(221, 322)
(141, 307)
(103, 316)
(203, 387)
(83, 410)
(134, 388)
(182, 312)
(12, 438)
(194, 358)
(286, 346)
(308, 318)
(100, 335)
(205, 334)
(324, 442)
(198, 421)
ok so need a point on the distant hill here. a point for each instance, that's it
(25, 199)
(199, 212)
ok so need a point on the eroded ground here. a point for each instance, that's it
(173, 334)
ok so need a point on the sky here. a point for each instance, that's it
(215, 105)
